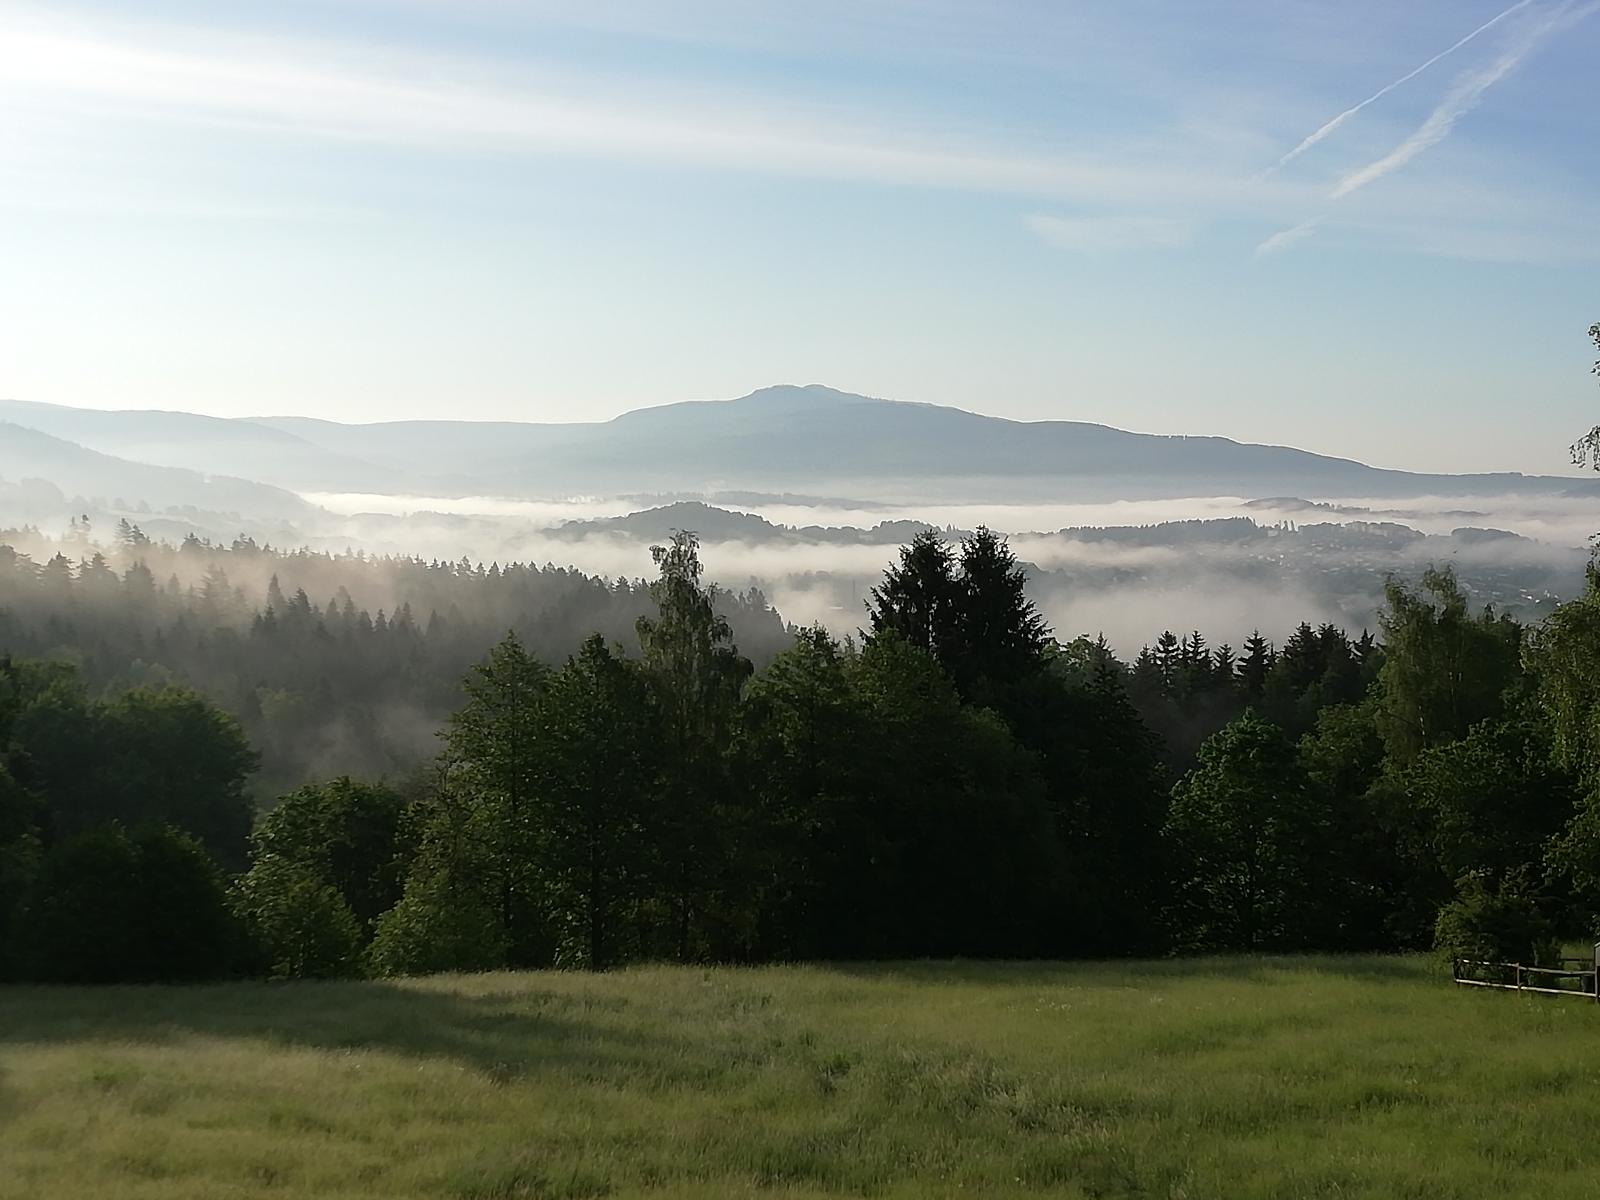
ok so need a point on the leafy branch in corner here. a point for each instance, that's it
(1586, 450)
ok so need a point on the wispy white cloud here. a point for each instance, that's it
(331, 92)
(98, 77)
(1285, 238)
(1462, 98)
(1464, 95)
(1329, 127)
(1108, 234)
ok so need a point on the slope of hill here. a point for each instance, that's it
(439, 450)
(194, 442)
(27, 454)
(814, 439)
(817, 438)
(715, 524)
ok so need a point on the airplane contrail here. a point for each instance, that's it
(1285, 238)
(1462, 99)
(1339, 120)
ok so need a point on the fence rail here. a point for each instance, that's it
(1583, 974)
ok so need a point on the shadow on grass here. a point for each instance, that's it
(501, 1034)
(505, 1032)
(1286, 969)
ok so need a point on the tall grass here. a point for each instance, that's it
(1227, 1078)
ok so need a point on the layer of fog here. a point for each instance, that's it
(540, 512)
(1567, 521)
(1128, 585)
(1128, 591)
(1130, 588)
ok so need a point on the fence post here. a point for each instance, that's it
(1594, 979)
(1519, 977)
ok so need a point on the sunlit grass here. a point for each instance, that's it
(1215, 1078)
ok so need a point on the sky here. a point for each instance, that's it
(1360, 227)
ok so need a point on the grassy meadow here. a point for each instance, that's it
(1226, 1078)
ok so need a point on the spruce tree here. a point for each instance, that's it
(919, 598)
(1255, 666)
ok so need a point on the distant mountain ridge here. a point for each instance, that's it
(813, 438)
(194, 442)
(27, 454)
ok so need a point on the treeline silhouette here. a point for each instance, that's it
(958, 783)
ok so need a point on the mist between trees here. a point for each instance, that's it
(332, 663)
(958, 782)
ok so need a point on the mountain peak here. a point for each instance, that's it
(778, 400)
(809, 394)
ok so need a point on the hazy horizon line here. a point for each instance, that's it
(264, 418)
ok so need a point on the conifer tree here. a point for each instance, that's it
(1255, 666)
(998, 636)
(919, 598)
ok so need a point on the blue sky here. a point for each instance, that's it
(563, 209)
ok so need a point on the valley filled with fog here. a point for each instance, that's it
(806, 494)
(1127, 569)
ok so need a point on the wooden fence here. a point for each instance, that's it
(1574, 977)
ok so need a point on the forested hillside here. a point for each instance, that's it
(958, 783)
(333, 663)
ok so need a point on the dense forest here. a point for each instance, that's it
(956, 782)
(332, 663)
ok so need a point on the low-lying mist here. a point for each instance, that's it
(1128, 569)
(1567, 520)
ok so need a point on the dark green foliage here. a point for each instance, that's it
(960, 785)
(999, 638)
(450, 916)
(345, 834)
(968, 847)
(1316, 668)
(1444, 669)
(1379, 903)
(82, 918)
(493, 754)
(1495, 922)
(697, 675)
(798, 752)
(299, 922)
(19, 867)
(919, 599)
(1254, 667)
(1343, 754)
(168, 756)
(1572, 859)
(444, 922)
(54, 731)
(1492, 799)
(1562, 653)
(1105, 788)
(599, 826)
(110, 907)
(1252, 844)
(164, 756)
(21, 814)
(968, 610)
